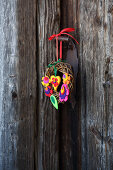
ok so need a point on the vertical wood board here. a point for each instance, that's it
(48, 17)
(18, 84)
(96, 84)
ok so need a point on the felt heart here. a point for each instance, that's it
(55, 81)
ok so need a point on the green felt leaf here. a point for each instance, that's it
(54, 101)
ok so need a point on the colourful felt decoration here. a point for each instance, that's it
(45, 81)
(66, 78)
(64, 92)
(55, 81)
(54, 101)
(48, 91)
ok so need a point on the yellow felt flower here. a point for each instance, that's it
(45, 81)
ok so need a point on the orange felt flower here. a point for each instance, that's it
(66, 78)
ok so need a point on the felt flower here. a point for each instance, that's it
(48, 91)
(55, 81)
(64, 92)
(66, 78)
(45, 81)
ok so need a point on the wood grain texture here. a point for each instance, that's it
(96, 44)
(33, 135)
(17, 84)
(70, 117)
(48, 17)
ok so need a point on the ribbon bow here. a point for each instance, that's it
(64, 32)
(55, 69)
(50, 65)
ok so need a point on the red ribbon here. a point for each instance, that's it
(56, 35)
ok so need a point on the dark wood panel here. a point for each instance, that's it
(17, 84)
(96, 84)
(48, 17)
(70, 115)
(26, 16)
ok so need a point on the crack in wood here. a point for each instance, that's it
(100, 137)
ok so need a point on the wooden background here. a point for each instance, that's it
(33, 135)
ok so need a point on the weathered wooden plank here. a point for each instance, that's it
(17, 84)
(48, 17)
(96, 22)
(70, 116)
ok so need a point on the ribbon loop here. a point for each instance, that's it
(57, 35)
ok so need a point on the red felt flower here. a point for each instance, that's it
(48, 91)
(54, 81)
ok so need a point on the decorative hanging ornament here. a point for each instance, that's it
(59, 78)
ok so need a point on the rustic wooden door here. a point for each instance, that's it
(33, 135)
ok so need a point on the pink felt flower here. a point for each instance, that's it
(64, 92)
